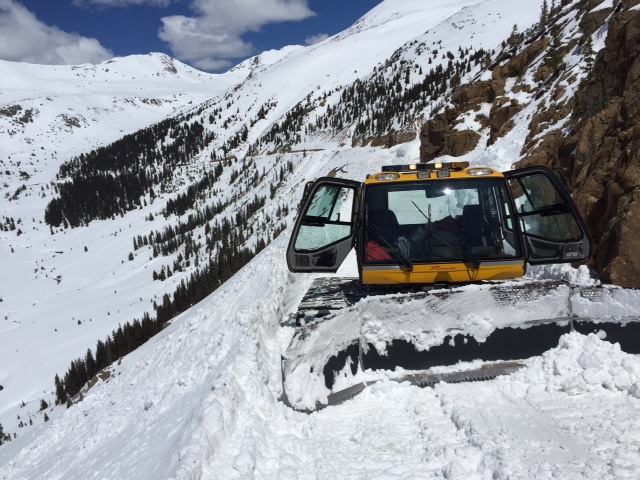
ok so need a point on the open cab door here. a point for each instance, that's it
(553, 230)
(324, 230)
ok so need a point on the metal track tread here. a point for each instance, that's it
(429, 379)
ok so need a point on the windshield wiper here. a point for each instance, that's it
(466, 258)
(404, 261)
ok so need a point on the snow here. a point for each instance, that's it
(51, 324)
(603, 5)
(202, 399)
(581, 365)
(575, 276)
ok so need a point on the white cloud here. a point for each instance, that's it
(212, 38)
(313, 39)
(24, 38)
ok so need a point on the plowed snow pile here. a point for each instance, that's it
(583, 365)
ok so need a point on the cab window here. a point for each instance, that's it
(327, 219)
(444, 221)
(543, 211)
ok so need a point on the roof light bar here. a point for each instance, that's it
(452, 166)
(385, 177)
(480, 171)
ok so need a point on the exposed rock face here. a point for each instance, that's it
(601, 155)
(518, 65)
(439, 137)
(502, 111)
(472, 95)
(591, 21)
(389, 140)
(591, 138)
(461, 142)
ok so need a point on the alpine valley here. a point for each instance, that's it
(145, 209)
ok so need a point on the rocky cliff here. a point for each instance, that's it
(575, 80)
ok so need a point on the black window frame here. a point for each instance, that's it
(567, 202)
(313, 220)
(521, 249)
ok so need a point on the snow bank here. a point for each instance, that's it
(201, 400)
(558, 271)
(582, 364)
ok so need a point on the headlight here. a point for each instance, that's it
(385, 177)
(479, 171)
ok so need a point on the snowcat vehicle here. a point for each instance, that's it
(441, 249)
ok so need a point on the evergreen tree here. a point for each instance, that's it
(544, 16)
(43, 405)
(515, 38)
(555, 54)
(589, 55)
(61, 396)
(91, 364)
(4, 437)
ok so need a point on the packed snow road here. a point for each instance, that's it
(201, 400)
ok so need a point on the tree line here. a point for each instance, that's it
(230, 258)
(120, 177)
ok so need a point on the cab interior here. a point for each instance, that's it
(438, 221)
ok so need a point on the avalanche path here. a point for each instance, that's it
(201, 400)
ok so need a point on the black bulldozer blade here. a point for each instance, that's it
(330, 303)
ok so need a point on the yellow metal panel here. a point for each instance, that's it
(412, 176)
(441, 273)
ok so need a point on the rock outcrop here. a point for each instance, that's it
(589, 134)
(439, 137)
(601, 153)
(518, 64)
(389, 140)
(502, 111)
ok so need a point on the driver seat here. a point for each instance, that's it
(384, 223)
(473, 225)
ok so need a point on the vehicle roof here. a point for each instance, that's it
(416, 176)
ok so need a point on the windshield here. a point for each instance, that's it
(439, 221)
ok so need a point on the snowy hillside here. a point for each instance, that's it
(50, 112)
(71, 288)
(201, 400)
(210, 170)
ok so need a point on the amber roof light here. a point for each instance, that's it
(452, 166)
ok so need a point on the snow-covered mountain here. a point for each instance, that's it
(49, 113)
(70, 288)
(210, 170)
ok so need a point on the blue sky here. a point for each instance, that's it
(209, 34)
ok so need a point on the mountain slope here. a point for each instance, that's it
(200, 399)
(49, 113)
(71, 287)
(563, 95)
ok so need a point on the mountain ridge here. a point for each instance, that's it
(245, 154)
